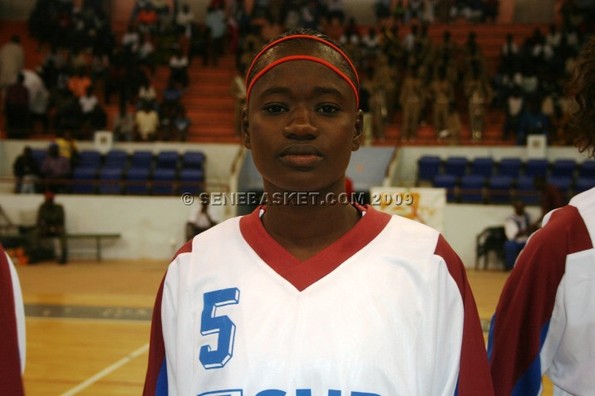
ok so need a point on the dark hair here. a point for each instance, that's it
(264, 60)
(582, 89)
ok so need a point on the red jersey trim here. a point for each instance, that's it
(474, 372)
(157, 344)
(527, 300)
(10, 361)
(302, 274)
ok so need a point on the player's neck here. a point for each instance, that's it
(308, 229)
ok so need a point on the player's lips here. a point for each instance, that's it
(301, 155)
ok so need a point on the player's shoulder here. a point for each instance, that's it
(218, 234)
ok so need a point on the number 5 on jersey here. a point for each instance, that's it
(221, 325)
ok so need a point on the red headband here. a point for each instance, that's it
(308, 58)
(303, 57)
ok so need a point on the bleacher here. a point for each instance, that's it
(209, 104)
(483, 180)
(140, 172)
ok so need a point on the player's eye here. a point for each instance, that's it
(327, 109)
(274, 108)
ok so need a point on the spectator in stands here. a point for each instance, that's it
(131, 39)
(79, 82)
(180, 125)
(55, 170)
(479, 96)
(533, 121)
(87, 103)
(517, 228)
(171, 98)
(442, 93)
(215, 22)
(184, 20)
(454, 126)
(51, 223)
(411, 98)
(39, 98)
(146, 121)
(16, 109)
(200, 220)
(66, 113)
(12, 62)
(124, 126)
(26, 172)
(146, 53)
(178, 68)
(147, 94)
(147, 19)
(67, 146)
(513, 110)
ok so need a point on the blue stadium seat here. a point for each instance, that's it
(164, 181)
(193, 160)
(116, 159)
(456, 166)
(84, 180)
(136, 181)
(563, 168)
(562, 183)
(449, 182)
(142, 159)
(89, 159)
(509, 167)
(586, 169)
(536, 167)
(500, 189)
(482, 166)
(525, 190)
(191, 181)
(428, 167)
(583, 184)
(472, 189)
(167, 159)
(110, 181)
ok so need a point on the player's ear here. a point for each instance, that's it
(244, 128)
(358, 132)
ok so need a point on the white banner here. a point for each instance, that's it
(425, 205)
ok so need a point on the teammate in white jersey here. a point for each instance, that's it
(12, 329)
(310, 295)
(545, 320)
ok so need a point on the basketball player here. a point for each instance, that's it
(310, 295)
(12, 329)
(545, 320)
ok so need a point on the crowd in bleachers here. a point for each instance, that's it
(406, 75)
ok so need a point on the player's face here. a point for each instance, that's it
(302, 125)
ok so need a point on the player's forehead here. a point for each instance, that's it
(302, 47)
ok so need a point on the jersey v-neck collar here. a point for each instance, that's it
(302, 274)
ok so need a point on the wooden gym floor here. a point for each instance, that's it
(88, 323)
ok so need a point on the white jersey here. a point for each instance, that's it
(545, 320)
(385, 310)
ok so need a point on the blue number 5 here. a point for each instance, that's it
(213, 324)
